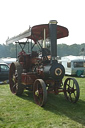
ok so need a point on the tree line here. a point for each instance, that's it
(62, 50)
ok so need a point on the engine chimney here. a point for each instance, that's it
(53, 39)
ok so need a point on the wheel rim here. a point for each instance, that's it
(71, 90)
(40, 93)
(13, 79)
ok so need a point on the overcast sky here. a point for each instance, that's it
(17, 15)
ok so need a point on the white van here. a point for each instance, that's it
(74, 65)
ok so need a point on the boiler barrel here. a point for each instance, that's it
(55, 71)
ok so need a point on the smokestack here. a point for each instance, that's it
(53, 39)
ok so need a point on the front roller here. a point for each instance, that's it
(15, 78)
(71, 90)
(40, 92)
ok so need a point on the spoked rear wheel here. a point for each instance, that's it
(40, 92)
(71, 90)
(15, 78)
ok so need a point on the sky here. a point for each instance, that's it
(17, 15)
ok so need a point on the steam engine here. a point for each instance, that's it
(41, 74)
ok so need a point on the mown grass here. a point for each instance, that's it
(22, 112)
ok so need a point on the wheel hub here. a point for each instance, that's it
(37, 93)
(14, 78)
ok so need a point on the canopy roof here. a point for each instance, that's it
(37, 33)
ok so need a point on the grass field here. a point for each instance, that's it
(22, 112)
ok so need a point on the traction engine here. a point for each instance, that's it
(40, 72)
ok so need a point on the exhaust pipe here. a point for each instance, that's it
(53, 39)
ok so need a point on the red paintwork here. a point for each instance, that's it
(28, 79)
(38, 32)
